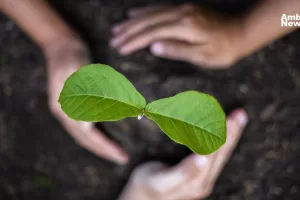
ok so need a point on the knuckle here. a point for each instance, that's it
(200, 57)
(229, 58)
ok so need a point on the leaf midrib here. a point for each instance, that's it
(93, 95)
(185, 122)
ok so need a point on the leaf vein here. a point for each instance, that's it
(186, 122)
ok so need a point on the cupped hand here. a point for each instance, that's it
(188, 33)
(63, 60)
(192, 178)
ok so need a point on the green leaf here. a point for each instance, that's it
(191, 118)
(99, 93)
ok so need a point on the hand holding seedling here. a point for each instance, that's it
(193, 178)
(63, 60)
(261, 26)
(98, 93)
(64, 52)
(187, 32)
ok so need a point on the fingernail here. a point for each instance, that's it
(200, 161)
(157, 48)
(243, 118)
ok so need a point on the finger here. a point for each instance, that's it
(132, 27)
(236, 121)
(106, 148)
(175, 177)
(138, 12)
(177, 50)
(148, 15)
(171, 31)
(92, 139)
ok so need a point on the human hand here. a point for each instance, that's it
(187, 33)
(192, 178)
(63, 60)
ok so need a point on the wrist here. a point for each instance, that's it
(66, 52)
(64, 45)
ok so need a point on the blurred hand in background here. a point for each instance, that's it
(65, 53)
(186, 32)
(202, 36)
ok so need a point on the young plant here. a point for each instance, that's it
(98, 93)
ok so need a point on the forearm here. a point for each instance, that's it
(38, 20)
(262, 25)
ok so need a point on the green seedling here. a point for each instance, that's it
(98, 93)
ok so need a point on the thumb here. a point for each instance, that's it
(176, 50)
(186, 170)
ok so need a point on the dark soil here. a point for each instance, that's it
(39, 160)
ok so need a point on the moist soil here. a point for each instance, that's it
(39, 160)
